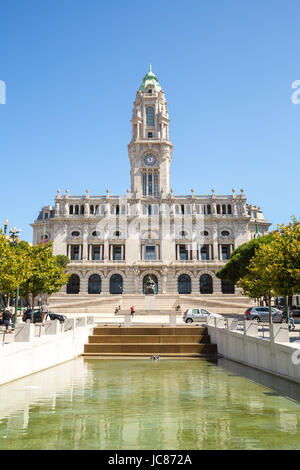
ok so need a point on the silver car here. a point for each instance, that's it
(262, 314)
(198, 314)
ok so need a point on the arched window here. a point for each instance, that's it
(155, 281)
(71, 210)
(116, 284)
(218, 209)
(227, 287)
(150, 116)
(76, 210)
(94, 286)
(184, 284)
(73, 286)
(206, 284)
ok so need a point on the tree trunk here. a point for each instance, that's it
(270, 309)
(32, 309)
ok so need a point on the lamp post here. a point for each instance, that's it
(5, 226)
(14, 233)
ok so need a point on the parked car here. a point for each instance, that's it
(198, 314)
(262, 314)
(295, 309)
(37, 317)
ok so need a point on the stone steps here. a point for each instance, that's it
(146, 341)
(161, 302)
(162, 339)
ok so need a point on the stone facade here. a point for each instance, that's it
(150, 230)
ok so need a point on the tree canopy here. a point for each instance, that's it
(237, 265)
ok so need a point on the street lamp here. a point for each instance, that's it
(14, 232)
(5, 225)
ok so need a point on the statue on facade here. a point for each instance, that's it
(149, 286)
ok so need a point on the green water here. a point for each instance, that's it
(141, 404)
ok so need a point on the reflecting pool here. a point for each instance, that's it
(142, 404)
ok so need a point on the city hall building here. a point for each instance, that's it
(115, 243)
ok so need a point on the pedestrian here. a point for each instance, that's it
(132, 311)
(291, 319)
(44, 312)
(116, 310)
(6, 317)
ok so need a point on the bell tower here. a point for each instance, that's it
(150, 150)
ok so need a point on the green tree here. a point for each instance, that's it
(236, 266)
(258, 280)
(46, 277)
(62, 261)
(274, 270)
(15, 266)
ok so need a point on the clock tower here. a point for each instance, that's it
(150, 150)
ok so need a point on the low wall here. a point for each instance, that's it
(274, 354)
(29, 354)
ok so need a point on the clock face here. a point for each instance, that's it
(150, 160)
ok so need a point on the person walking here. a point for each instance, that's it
(44, 312)
(132, 311)
(6, 317)
(291, 319)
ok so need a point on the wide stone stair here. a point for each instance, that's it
(146, 341)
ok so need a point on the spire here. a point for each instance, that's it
(150, 79)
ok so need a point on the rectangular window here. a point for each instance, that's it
(150, 135)
(144, 184)
(150, 116)
(117, 253)
(204, 256)
(183, 253)
(155, 184)
(225, 253)
(75, 253)
(150, 184)
(150, 253)
(96, 253)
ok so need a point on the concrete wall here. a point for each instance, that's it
(274, 354)
(33, 354)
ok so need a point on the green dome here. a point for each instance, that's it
(150, 79)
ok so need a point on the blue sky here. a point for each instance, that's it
(72, 69)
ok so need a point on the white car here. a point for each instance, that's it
(198, 314)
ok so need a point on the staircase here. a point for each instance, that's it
(146, 341)
(63, 303)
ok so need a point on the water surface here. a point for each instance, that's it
(141, 404)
